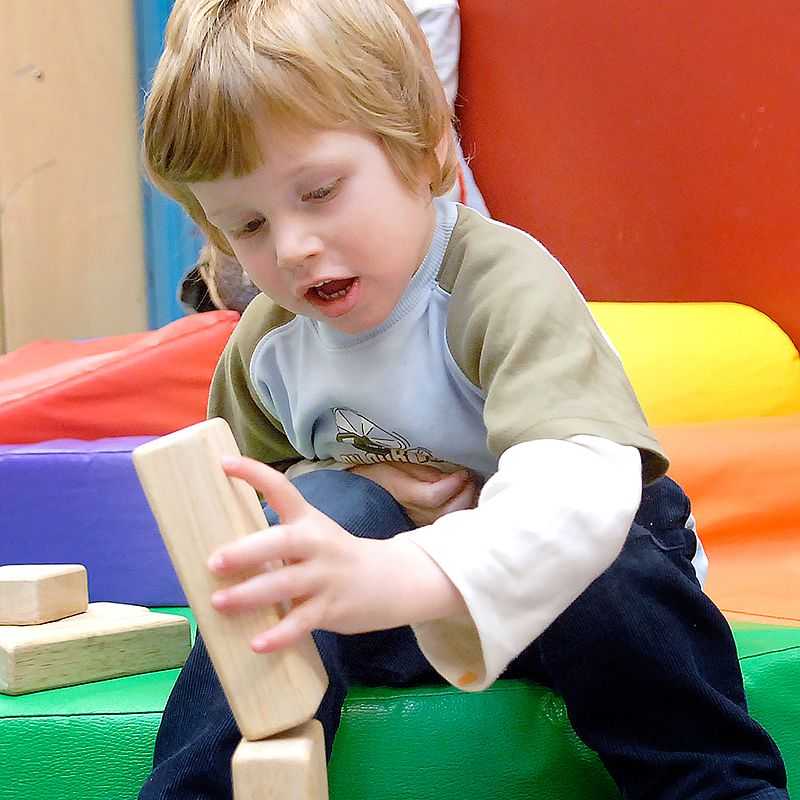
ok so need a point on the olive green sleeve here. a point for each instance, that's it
(232, 396)
(520, 331)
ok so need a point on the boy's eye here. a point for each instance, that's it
(253, 226)
(322, 193)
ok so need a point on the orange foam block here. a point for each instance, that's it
(743, 478)
(140, 384)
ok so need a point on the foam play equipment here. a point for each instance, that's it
(699, 362)
(652, 149)
(140, 384)
(743, 478)
(96, 742)
(74, 501)
(724, 361)
(738, 474)
(690, 363)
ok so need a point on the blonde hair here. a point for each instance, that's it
(226, 63)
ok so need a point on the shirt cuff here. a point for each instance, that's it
(549, 522)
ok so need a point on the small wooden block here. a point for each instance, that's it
(199, 509)
(109, 640)
(290, 766)
(31, 594)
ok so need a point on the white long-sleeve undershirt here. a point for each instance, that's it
(551, 519)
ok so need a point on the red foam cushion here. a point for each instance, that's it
(134, 385)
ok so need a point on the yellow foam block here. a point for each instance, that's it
(697, 362)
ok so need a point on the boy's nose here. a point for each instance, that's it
(295, 246)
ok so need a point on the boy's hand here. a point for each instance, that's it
(424, 492)
(332, 579)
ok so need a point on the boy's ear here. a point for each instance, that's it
(444, 143)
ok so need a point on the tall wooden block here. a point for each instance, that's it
(199, 509)
(290, 766)
(31, 594)
(109, 640)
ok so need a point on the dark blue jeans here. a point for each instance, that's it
(644, 661)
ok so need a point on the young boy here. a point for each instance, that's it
(397, 332)
(216, 279)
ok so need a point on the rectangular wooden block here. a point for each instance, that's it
(199, 509)
(290, 766)
(109, 640)
(31, 594)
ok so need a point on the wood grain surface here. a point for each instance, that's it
(109, 640)
(198, 509)
(31, 594)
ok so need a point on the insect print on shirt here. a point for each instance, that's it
(373, 443)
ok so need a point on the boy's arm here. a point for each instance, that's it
(477, 594)
(521, 333)
(553, 517)
(573, 446)
(232, 396)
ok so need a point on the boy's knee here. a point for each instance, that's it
(664, 506)
(356, 503)
(651, 578)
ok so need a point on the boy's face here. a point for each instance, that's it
(324, 206)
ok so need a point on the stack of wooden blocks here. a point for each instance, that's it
(273, 696)
(51, 636)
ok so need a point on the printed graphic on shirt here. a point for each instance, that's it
(374, 443)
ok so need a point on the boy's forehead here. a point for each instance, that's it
(287, 152)
(286, 155)
(289, 149)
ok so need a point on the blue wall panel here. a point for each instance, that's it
(171, 239)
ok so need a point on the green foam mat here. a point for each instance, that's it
(94, 742)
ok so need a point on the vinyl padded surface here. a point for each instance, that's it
(741, 476)
(140, 384)
(80, 502)
(513, 741)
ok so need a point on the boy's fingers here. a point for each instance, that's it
(420, 472)
(463, 500)
(433, 495)
(278, 543)
(266, 589)
(299, 622)
(285, 500)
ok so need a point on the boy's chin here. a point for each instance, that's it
(351, 327)
(355, 323)
(352, 315)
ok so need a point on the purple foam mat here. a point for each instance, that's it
(80, 502)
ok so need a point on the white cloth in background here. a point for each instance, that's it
(441, 24)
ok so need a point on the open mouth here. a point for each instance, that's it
(333, 297)
(331, 290)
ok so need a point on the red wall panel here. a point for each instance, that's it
(653, 147)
